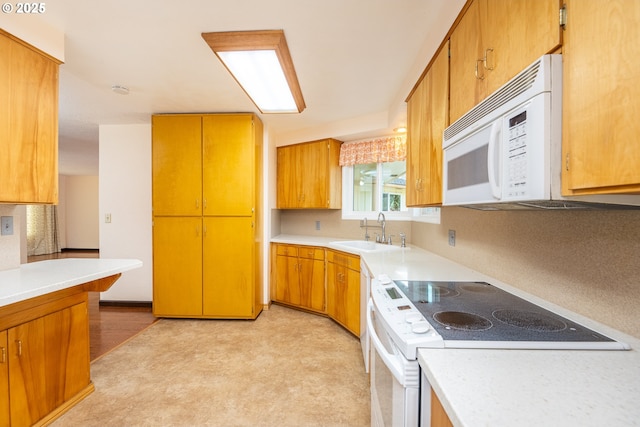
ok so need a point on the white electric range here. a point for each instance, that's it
(405, 315)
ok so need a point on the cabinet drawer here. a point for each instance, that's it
(311, 252)
(346, 260)
(287, 250)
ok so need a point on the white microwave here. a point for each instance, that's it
(505, 153)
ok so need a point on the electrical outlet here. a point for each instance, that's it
(317, 225)
(6, 222)
(452, 237)
(107, 218)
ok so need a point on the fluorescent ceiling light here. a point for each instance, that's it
(261, 64)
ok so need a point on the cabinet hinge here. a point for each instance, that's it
(566, 162)
(563, 16)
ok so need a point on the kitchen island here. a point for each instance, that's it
(480, 387)
(44, 335)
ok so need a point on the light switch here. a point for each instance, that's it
(6, 222)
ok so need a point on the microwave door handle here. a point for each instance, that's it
(493, 154)
(390, 360)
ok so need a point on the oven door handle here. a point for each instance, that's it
(390, 360)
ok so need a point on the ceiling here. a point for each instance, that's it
(356, 61)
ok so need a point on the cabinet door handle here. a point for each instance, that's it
(3, 355)
(197, 204)
(204, 204)
(479, 77)
(19, 343)
(484, 62)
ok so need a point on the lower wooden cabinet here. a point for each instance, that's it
(5, 419)
(439, 417)
(299, 276)
(44, 361)
(343, 289)
(319, 280)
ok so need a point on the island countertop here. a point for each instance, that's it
(40, 278)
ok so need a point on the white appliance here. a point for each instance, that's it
(365, 292)
(505, 153)
(406, 315)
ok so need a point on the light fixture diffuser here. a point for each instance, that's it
(260, 62)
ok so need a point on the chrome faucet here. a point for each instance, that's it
(363, 223)
(383, 225)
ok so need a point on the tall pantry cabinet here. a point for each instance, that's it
(206, 222)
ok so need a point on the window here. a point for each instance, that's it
(375, 187)
(374, 174)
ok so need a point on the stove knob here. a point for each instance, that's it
(420, 327)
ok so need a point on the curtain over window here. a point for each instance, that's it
(42, 230)
(379, 150)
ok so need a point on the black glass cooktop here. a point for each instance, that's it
(478, 311)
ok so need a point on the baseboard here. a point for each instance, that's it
(79, 250)
(145, 304)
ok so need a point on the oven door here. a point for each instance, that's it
(395, 380)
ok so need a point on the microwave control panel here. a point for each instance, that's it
(517, 165)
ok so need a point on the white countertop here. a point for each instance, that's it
(516, 387)
(43, 277)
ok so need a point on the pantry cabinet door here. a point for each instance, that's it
(228, 164)
(229, 267)
(177, 266)
(600, 126)
(177, 165)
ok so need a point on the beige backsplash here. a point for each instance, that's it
(588, 262)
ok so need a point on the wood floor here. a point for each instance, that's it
(109, 325)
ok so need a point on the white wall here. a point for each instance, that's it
(125, 193)
(81, 217)
(10, 245)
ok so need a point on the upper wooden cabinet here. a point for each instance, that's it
(309, 176)
(28, 123)
(427, 117)
(200, 164)
(495, 40)
(601, 148)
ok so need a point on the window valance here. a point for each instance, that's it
(379, 150)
